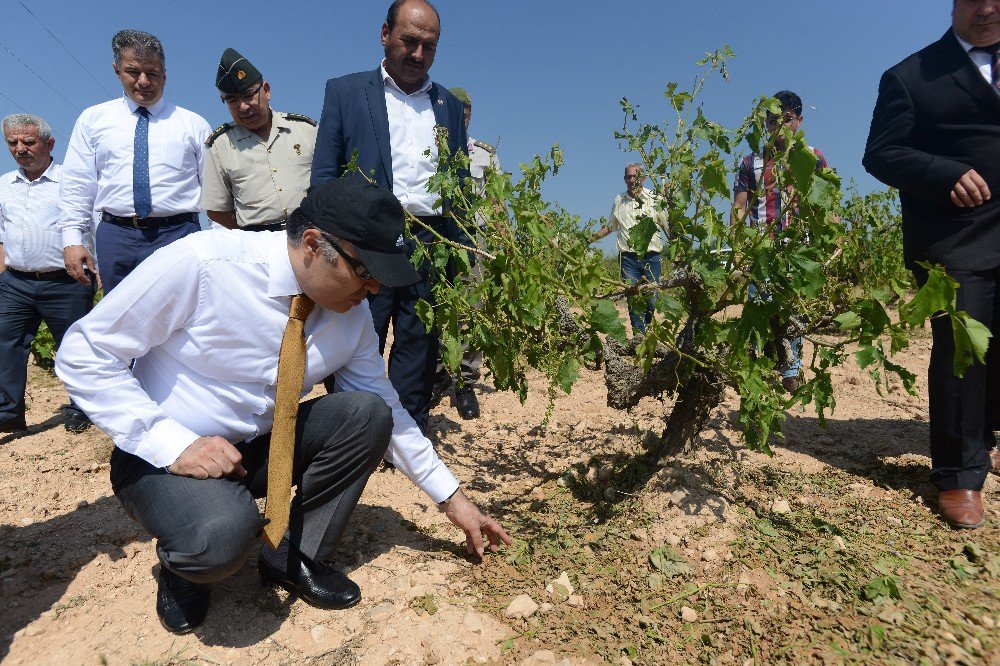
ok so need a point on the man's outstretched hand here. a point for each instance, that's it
(209, 458)
(478, 527)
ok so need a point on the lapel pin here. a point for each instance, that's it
(440, 102)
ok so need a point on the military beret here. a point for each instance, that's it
(462, 95)
(236, 74)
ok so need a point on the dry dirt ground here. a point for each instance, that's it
(828, 552)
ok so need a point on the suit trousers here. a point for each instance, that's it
(206, 529)
(121, 248)
(964, 411)
(413, 356)
(25, 302)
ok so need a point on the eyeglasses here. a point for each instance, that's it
(358, 267)
(233, 100)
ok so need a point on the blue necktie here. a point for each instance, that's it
(142, 197)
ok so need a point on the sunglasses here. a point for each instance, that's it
(233, 100)
(358, 267)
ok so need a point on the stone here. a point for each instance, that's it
(80, 503)
(781, 506)
(560, 588)
(838, 544)
(539, 658)
(710, 555)
(472, 622)
(26, 521)
(640, 534)
(673, 540)
(564, 480)
(605, 472)
(317, 633)
(610, 494)
(689, 614)
(382, 612)
(575, 600)
(545, 607)
(522, 606)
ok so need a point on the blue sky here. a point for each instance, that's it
(538, 72)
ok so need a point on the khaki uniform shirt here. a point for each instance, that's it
(263, 181)
(625, 214)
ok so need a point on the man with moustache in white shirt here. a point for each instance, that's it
(138, 161)
(34, 286)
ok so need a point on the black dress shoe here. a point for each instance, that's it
(467, 402)
(16, 426)
(442, 382)
(317, 584)
(76, 421)
(180, 604)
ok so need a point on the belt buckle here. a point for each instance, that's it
(138, 222)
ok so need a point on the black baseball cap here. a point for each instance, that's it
(370, 218)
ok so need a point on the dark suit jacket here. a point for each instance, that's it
(937, 117)
(354, 118)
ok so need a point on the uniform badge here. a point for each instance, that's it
(241, 75)
(440, 102)
(298, 149)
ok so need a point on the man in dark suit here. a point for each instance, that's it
(935, 135)
(390, 117)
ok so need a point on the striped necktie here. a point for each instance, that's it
(994, 52)
(288, 392)
(142, 197)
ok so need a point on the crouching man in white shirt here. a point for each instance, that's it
(192, 420)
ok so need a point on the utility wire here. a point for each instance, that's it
(65, 48)
(39, 76)
(54, 130)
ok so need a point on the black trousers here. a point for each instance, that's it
(206, 529)
(25, 302)
(964, 411)
(413, 356)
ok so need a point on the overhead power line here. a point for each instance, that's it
(39, 77)
(54, 130)
(65, 48)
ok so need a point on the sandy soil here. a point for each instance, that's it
(77, 577)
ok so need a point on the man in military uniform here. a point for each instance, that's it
(258, 166)
(482, 157)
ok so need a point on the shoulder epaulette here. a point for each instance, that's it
(219, 131)
(485, 146)
(300, 118)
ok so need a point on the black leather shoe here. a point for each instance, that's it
(16, 426)
(442, 382)
(75, 421)
(317, 584)
(180, 604)
(467, 402)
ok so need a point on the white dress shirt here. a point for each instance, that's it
(98, 167)
(29, 217)
(411, 132)
(625, 214)
(981, 59)
(204, 318)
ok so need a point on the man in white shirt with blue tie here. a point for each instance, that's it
(34, 286)
(138, 161)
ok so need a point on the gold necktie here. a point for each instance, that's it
(291, 370)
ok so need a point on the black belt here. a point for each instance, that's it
(149, 222)
(273, 226)
(39, 275)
